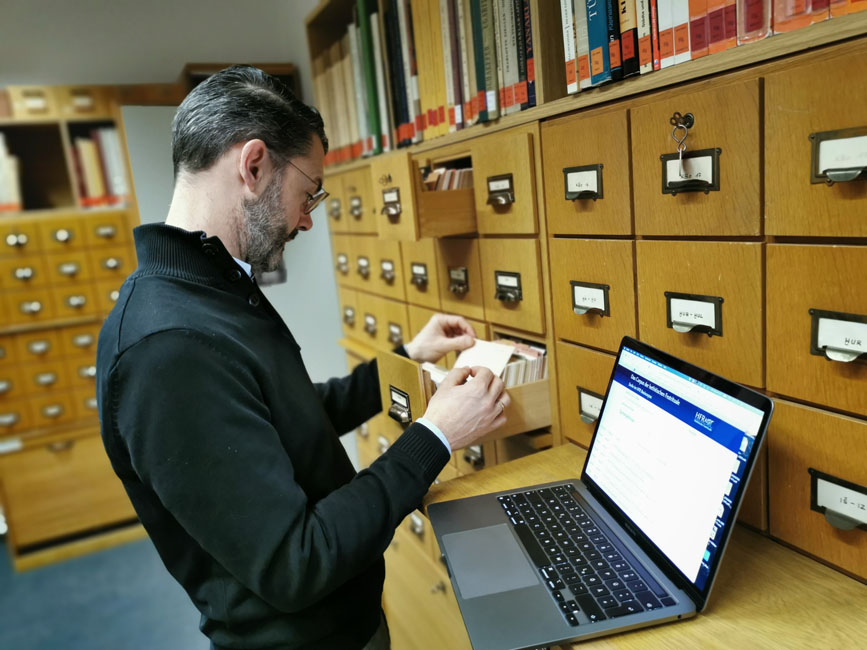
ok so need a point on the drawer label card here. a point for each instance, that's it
(589, 405)
(395, 334)
(501, 190)
(391, 196)
(419, 274)
(399, 409)
(583, 182)
(10, 445)
(694, 313)
(508, 286)
(843, 503)
(839, 156)
(590, 297)
(697, 171)
(458, 282)
(838, 336)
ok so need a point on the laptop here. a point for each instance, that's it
(637, 540)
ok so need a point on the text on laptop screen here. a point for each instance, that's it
(670, 452)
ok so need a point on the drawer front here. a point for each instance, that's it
(83, 101)
(342, 259)
(726, 118)
(587, 188)
(582, 377)
(84, 403)
(29, 306)
(358, 197)
(82, 372)
(593, 289)
(44, 378)
(350, 321)
(816, 98)
(363, 263)
(60, 489)
(710, 285)
(8, 350)
(504, 176)
(80, 340)
(421, 277)
(30, 272)
(11, 387)
(803, 438)
(113, 263)
(50, 410)
(401, 389)
(460, 266)
(508, 266)
(15, 417)
(69, 268)
(107, 293)
(370, 324)
(419, 532)
(79, 300)
(335, 206)
(810, 288)
(33, 101)
(395, 324)
(418, 318)
(386, 269)
(61, 234)
(44, 345)
(18, 238)
(394, 185)
(107, 228)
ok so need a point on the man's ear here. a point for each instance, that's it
(254, 164)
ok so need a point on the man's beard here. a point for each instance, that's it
(265, 230)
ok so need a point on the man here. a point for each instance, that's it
(228, 451)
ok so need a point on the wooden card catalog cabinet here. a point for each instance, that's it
(421, 277)
(511, 276)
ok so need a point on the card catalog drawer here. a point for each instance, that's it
(358, 205)
(723, 146)
(702, 301)
(8, 350)
(26, 272)
(52, 409)
(593, 288)
(587, 174)
(43, 345)
(504, 175)
(44, 378)
(363, 263)
(33, 102)
(68, 268)
(386, 268)
(107, 293)
(511, 277)
(350, 321)
(817, 324)
(460, 268)
(421, 277)
(582, 377)
(11, 385)
(369, 324)
(15, 417)
(18, 238)
(106, 228)
(82, 372)
(335, 205)
(84, 101)
(62, 488)
(61, 234)
(79, 340)
(79, 300)
(29, 306)
(112, 263)
(342, 258)
(84, 403)
(395, 323)
(818, 481)
(816, 134)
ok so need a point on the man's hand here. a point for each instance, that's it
(443, 333)
(465, 411)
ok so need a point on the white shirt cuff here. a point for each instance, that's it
(436, 431)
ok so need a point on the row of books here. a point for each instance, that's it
(529, 363)
(515, 362)
(422, 69)
(100, 170)
(608, 40)
(10, 179)
(448, 179)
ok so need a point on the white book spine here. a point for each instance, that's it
(410, 82)
(385, 127)
(498, 39)
(460, 19)
(680, 19)
(582, 42)
(567, 18)
(360, 91)
(510, 47)
(664, 19)
(349, 92)
(642, 10)
(447, 62)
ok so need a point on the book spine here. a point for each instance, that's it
(374, 144)
(480, 107)
(614, 51)
(597, 30)
(457, 71)
(410, 83)
(582, 44)
(498, 39)
(522, 101)
(382, 97)
(654, 33)
(665, 18)
(680, 20)
(698, 28)
(628, 37)
(492, 94)
(360, 99)
(645, 40)
(528, 44)
(567, 20)
(468, 64)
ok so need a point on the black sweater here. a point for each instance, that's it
(231, 458)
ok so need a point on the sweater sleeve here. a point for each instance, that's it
(198, 435)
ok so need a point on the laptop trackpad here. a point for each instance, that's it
(487, 561)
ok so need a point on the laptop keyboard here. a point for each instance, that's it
(584, 569)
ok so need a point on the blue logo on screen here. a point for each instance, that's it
(704, 421)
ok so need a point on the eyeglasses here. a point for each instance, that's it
(312, 199)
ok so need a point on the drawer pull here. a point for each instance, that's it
(416, 524)
(59, 447)
(370, 324)
(39, 347)
(91, 404)
(383, 444)
(399, 410)
(5, 386)
(501, 190)
(843, 503)
(82, 340)
(395, 334)
(17, 240)
(342, 263)
(62, 236)
(838, 336)
(687, 312)
(349, 316)
(458, 282)
(589, 405)
(839, 156)
(387, 273)
(508, 286)
(391, 204)
(364, 430)
(419, 274)
(52, 411)
(111, 263)
(334, 208)
(45, 379)
(114, 294)
(106, 232)
(30, 307)
(364, 267)
(87, 372)
(583, 182)
(589, 297)
(475, 456)
(9, 419)
(76, 302)
(355, 209)
(438, 588)
(24, 273)
(69, 269)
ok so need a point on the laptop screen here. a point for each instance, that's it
(670, 451)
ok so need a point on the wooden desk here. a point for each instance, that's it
(766, 595)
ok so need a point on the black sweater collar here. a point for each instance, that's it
(168, 250)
